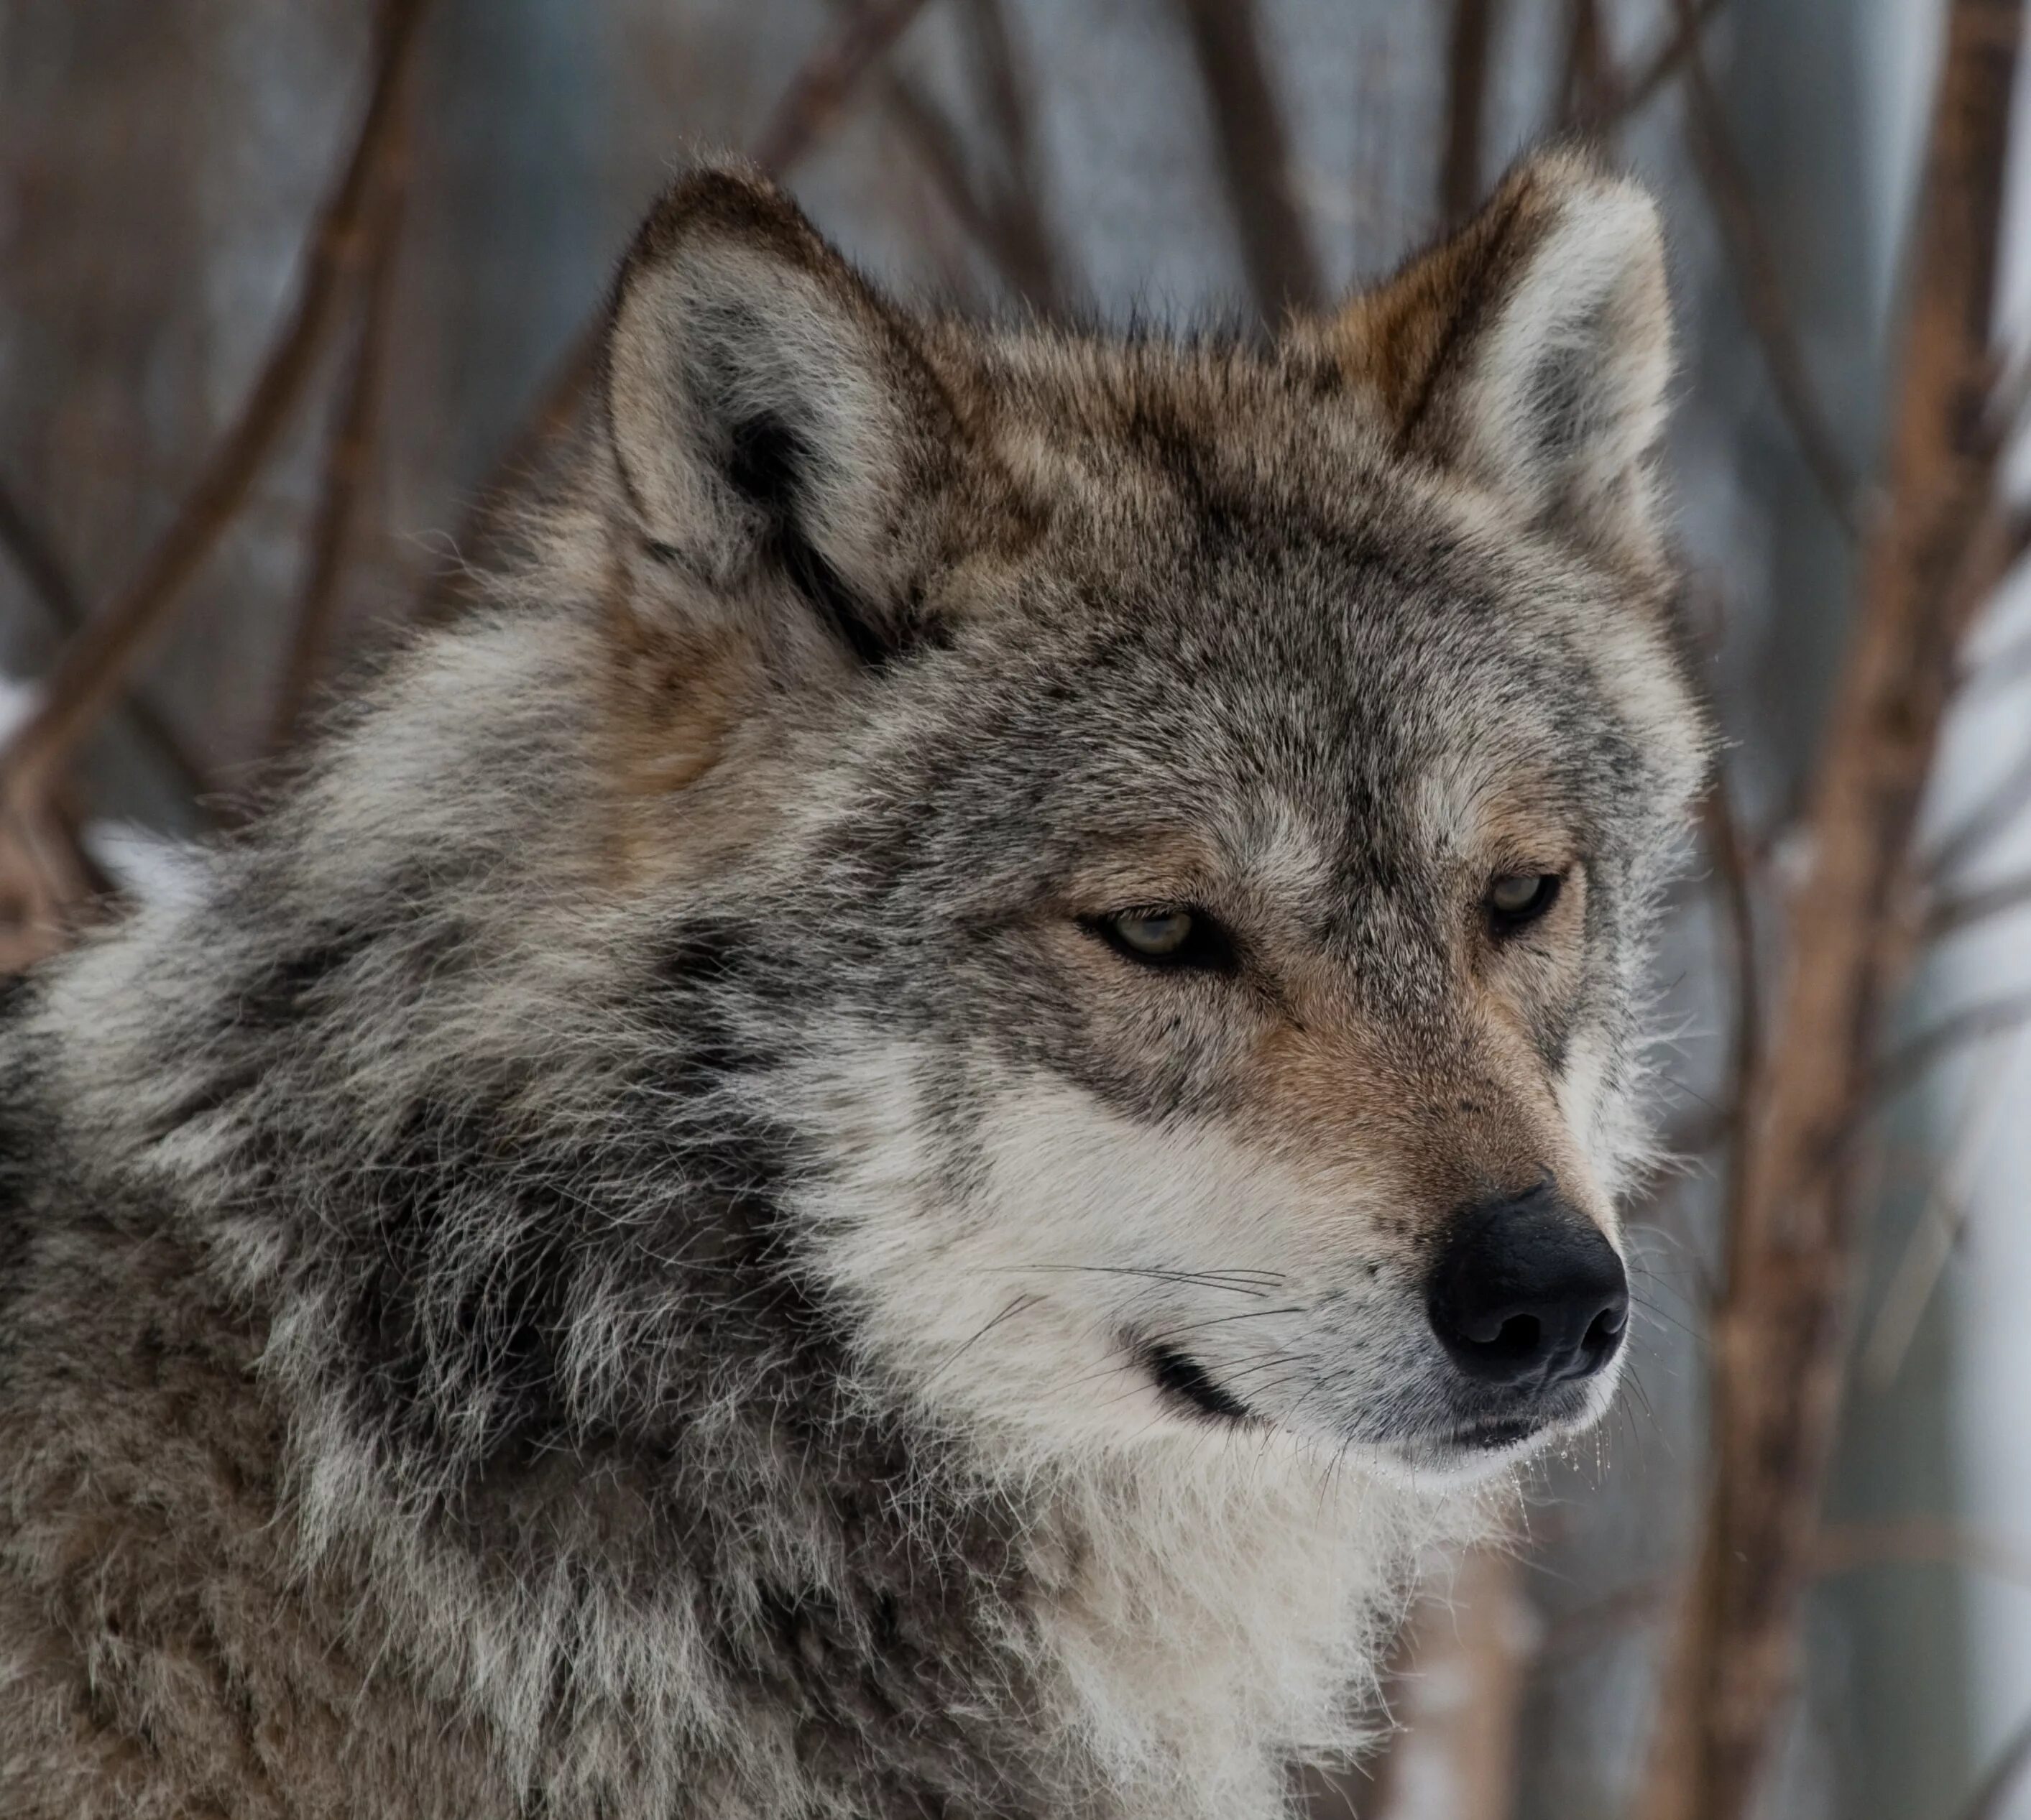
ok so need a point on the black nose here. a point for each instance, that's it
(1527, 1287)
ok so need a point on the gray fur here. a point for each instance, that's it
(607, 1263)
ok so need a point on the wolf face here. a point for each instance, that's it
(1187, 818)
(880, 1144)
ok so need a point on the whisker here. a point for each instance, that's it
(1238, 1282)
(1017, 1306)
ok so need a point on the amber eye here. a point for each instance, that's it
(1159, 934)
(1520, 898)
(1166, 936)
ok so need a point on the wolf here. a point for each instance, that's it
(886, 1140)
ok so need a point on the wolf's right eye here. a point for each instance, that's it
(1520, 898)
(1166, 937)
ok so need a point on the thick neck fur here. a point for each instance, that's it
(517, 1179)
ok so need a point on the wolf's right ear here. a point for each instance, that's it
(769, 410)
(1531, 350)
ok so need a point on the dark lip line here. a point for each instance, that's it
(1503, 1432)
(1183, 1379)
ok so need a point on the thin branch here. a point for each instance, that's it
(1992, 1793)
(1255, 157)
(1467, 48)
(1584, 73)
(1780, 1342)
(349, 459)
(1731, 862)
(1730, 193)
(1905, 1066)
(812, 103)
(1620, 97)
(1838, 1548)
(1998, 807)
(93, 667)
(1918, 1541)
(1002, 218)
(1029, 253)
(1950, 915)
(49, 581)
(1942, 1218)
(809, 108)
(2010, 665)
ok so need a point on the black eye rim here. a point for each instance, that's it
(1503, 924)
(1208, 948)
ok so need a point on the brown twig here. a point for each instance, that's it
(49, 581)
(1029, 253)
(1838, 1548)
(1729, 194)
(808, 109)
(819, 90)
(1584, 71)
(2000, 805)
(1918, 1055)
(2000, 1782)
(1467, 46)
(1778, 1340)
(2010, 665)
(90, 673)
(1002, 218)
(1943, 1216)
(1255, 157)
(1618, 96)
(1950, 915)
(350, 455)
(1731, 862)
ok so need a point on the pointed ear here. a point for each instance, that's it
(771, 418)
(1532, 350)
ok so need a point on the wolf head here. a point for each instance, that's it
(1176, 824)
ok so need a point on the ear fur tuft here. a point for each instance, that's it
(768, 410)
(1532, 350)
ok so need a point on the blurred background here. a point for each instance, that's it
(288, 292)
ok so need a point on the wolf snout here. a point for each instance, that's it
(1526, 1290)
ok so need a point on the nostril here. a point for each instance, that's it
(1602, 1335)
(1529, 1290)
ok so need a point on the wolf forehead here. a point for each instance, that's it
(1403, 565)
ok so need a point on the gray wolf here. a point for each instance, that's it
(885, 1142)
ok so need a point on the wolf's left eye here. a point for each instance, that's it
(1166, 937)
(1520, 898)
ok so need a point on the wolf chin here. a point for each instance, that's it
(886, 1140)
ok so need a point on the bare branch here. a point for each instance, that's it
(1584, 74)
(2000, 806)
(1255, 157)
(1029, 254)
(2009, 666)
(49, 581)
(1845, 1547)
(350, 456)
(1779, 1343)
(90, 673)
(1991, 1794)
(1941, 1217)
(819, 90)
(1904, 1067)
(1467, 48)
(1002, 218)
(1731, 195)
(1950, 915)
(1620, 97)
(1731, 862)
(809, 108)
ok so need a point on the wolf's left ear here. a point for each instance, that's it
(1532, 349)
(771, 416)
